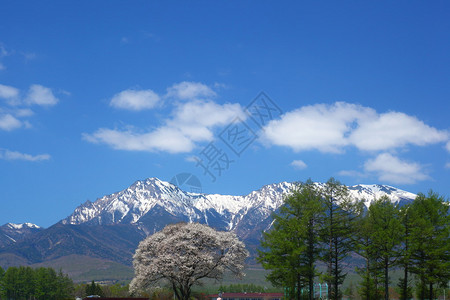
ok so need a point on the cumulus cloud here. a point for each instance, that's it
(196, 118)
(448, 146)
(189, 90)
(15, 109)
(331, 128)
(14, 155)
(9, 122)
(40, 95)
(23, 112)
(9, 93)
(162, 139)
(321, 127)
(191, 122)
(392, 130)
(299, 164)
(135, 100)
(391, 169)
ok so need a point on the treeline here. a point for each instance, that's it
(323, 224)
(40, 284)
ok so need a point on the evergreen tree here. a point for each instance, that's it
(385, 237)
(25, 282)
(430, 247)
(404, 283)
(292, 247)
(11, 283)
(64, 286)
(337, 233)
(94, 289)
(368, 287)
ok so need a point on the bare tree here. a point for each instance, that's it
(183, 254)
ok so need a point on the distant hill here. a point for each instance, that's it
(109, 229)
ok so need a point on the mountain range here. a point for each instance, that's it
(110, 228)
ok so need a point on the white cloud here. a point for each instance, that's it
(394, 170)
(8, 122)
(163, 139)
(14, 155)
(23, 112)
(448, 146)
(299, 164)
(8, 92)
(40, 95)
(331, 128)
(135, 100)
(322, 127)
(2, 66)
(196, 118)
(191, 122)
(189, 90)
(447, 165)
(392, 130)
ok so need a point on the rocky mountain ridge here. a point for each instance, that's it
(111, 227)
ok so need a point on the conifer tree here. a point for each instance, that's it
(337, 233)
(368, 287)
(430, 247)
(404, 283)
(292, 247)
(385, 233)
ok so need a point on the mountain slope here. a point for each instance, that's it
(114, 242)
(11, 233)
(152, 198)
(111, 227)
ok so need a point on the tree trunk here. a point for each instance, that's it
(405, 284)
(330, 253)
(386, 278)
(175, 290)
(431, 291)
(336, 270)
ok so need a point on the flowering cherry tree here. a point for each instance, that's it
(182, 254)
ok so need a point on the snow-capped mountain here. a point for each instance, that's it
(10, 233)
(111, 227)
(152, 200)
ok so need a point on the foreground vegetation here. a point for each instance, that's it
(322, 224)
(41, 284)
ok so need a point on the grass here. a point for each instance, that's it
(84, 269)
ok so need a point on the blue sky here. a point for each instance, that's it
(95, 95)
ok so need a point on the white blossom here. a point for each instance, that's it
(183, 254)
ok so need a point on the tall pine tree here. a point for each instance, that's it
(385, 236)
(430, 247)
(292, 247)
(337, 233)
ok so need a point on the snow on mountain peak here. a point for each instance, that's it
(22, 225)
(152, 194)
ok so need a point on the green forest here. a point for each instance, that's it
(28, 283)
(322, 225)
